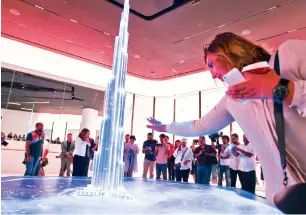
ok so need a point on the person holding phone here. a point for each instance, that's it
(256, 118)
(34, 149)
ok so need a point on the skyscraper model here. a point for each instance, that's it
(108, 165)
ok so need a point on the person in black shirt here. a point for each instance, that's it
(148, 149)
(205, 155)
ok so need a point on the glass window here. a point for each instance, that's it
(142, 110)
(128, 112)
(164, 111)
(209, 99)
(187, 109)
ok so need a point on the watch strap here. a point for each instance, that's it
(280, 126)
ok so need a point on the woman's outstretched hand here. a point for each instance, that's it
(156, 125)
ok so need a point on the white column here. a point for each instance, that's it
(90, 120)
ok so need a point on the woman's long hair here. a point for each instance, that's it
(236, 50)
(83, 133)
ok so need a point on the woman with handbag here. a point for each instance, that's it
(264, 87)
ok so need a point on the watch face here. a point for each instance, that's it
(280, 92)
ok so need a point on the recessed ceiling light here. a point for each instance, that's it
(136, 56)
(26, 109)
(199, 23)
(245, 32)
(173, 70)
(109, 46)
(61, 107)
(14, 103)
(22, 87)
(182, 61)
(14, 12)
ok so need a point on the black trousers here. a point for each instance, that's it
(80, 166)
(233, 174)
(248, 181)
(182, 174)
(170, 163)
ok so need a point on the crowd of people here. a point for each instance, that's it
(206, 163)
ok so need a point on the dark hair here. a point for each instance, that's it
(162, 135)
(83, 133)
(235, 135)
(177, 141)
(38, 124)
(132, 137)
(127, 135)
(226, 137)
(150, 134)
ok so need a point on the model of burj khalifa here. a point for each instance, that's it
(108, 165)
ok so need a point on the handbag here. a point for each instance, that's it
(178, 165)
(292, 199)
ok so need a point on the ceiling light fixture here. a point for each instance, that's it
(245, 32)
(43, 102)
(26, 109)
(72, 20)
(136, 56)
(182, 61)
(174, 70)
(35, 102)
(106, 33)
(39, 7)
(194, 2)
(14, 12)
(14, 103)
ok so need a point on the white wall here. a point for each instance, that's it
(18, 122)
(19, 56)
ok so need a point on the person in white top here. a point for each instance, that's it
(131, 151)
(183, 158)
(224, 163)
(81, 156)
(234, 159)
(256, 117)
(247, 166)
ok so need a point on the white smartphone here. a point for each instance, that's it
(233, 77)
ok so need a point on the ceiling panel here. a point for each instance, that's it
(156, 47)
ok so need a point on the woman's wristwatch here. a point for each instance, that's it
(281, 91)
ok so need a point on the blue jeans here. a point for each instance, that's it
(214, 173)
(203, 174)
(161, 169)
(31, 167)
(226, 171)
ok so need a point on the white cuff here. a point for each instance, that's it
(299, 98)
